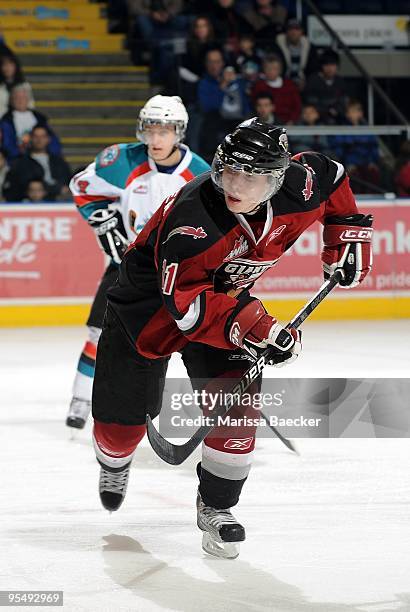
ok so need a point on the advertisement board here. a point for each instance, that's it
(299, 271)
(47, 253)
(362, 30)
(49, 256)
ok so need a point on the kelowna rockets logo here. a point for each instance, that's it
(187, 230)
(308, 190)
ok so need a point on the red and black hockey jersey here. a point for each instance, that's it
(194, 263)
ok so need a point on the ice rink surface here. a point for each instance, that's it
(328, 531)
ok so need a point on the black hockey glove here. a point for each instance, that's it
(110, 231)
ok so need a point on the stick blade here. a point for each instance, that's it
(173, 454)
(292, 446)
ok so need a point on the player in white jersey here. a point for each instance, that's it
(117, 194)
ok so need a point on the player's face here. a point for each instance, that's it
(243, 191)
(160, 140)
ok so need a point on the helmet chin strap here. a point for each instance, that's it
(257, 208)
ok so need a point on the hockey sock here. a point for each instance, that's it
(224, 468)
(83, 382)
(115, 444)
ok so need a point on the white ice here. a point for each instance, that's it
(326, 532)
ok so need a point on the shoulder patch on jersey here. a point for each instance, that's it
(187, 230)
(308, 189)
(108, 156)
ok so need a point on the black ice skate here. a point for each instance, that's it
(222, 532)
(113, 485)
(78, 413)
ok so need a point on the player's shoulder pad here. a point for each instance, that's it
(115, 163)
(328, 170)
(189, 229)
(312, 177)
(198, 165)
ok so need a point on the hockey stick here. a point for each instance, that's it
(176, 454)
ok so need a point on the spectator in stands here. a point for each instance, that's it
(3, 172)
(358, 153)
(265, 109)
(402, 174)
(229, 25)
(285, 94)
(312, 142)
(158, 23)
(37, 164)
(222, 89)
(11, 75)
(190, 69)
(191, 65)
(326, 89)
(249, 60)
(222, 100)
(299, 55)
(36, 192)
(267, 18)
(18, 122)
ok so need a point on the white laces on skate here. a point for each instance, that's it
(215, 517)
(114, 482)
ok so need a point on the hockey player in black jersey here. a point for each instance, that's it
(185, 285)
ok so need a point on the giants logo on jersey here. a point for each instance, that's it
(240, 246)
(187, 230)
(308, 190)
(242, 272)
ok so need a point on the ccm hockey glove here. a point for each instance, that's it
(110, 231)
(347, 247)
(254, 330)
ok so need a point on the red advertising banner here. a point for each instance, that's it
(299, 271)
(47, 253)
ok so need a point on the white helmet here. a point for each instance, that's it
(165, 110)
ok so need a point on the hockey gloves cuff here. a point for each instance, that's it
(110, 231)
(347, 247)
(254, 330)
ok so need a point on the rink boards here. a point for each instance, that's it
(50, 266)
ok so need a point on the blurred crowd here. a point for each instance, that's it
(233, 59)
(228, 60)
(32, 168)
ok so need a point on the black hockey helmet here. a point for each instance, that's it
(254, 147)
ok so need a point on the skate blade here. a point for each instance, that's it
(223, 550)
